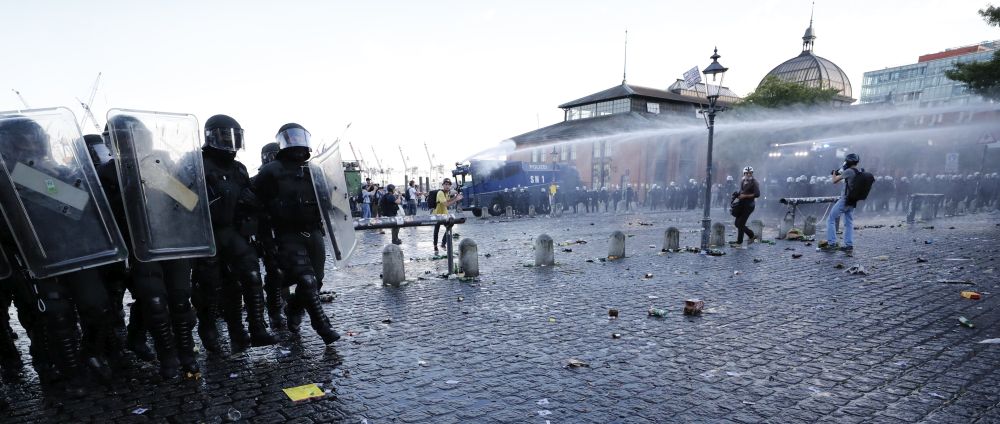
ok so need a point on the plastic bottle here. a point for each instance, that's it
(657, 312)
(965, 322)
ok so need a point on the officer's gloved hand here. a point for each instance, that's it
(247, 197)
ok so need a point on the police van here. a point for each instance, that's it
(496, 184)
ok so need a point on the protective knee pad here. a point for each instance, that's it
(156, 309)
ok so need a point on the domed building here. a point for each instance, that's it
(814, 71)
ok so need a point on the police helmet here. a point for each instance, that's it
(223, 133)
(293, 135)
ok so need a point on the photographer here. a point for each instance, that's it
(443, 200)
(847, 173)
(743, 205)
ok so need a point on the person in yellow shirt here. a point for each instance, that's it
(441, 208)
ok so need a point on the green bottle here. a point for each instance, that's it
(965, 322)
(657, 312)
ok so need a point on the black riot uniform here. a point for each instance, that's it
(274, 285)
(285, 188)
(233, 207)
(162, 289)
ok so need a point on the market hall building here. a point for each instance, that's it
(623, 136)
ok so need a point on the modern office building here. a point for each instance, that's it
(924, 83)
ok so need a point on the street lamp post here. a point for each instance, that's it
(713, 69)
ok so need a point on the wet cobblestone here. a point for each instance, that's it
(782, 340)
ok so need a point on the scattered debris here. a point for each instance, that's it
(389, 321)
(652, 246)
(990, 341)
(612, 313)
(857, 270)
(648, 276)
(693, 307)
(796, 255)
(542, 402)
(929, 227)
(451, 382)
(552, 319)
(657, 312)
(233, 375)
(882, 258)
(932, 394)
(422, 363)
(139, 411)
(305, 392)
(233, 415)
(544, 412)
(616, 335)
(571, 242)
(736, 273)
(567, 250)
(839, 266)
(326, 298)
(966, 322)
(971, 295)
(488, 255)
(757, 260)
(714, 252)
(461, 298)
(576, 363)
(590, 261)
(921, 260)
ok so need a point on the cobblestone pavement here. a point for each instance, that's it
(783, 339)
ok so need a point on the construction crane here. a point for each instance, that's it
(406, 175)
(324, 147)
(19, 96)
(430, 163)
(87, 114)
(378, 162)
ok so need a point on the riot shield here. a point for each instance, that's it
(162, 179)
(50, 195)
(5, 268)
(327, 171)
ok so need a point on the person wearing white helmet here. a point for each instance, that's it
(743, 206)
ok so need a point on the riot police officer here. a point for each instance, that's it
(286, 189)
(233, 207)
(274, 285)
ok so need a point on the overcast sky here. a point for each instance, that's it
(458, 75)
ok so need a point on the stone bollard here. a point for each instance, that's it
(468, 258)
(531, 210)
(784, 226)
(672, 239)
(616, 246)
(392, 265)
(757, 226)
(543, 251)
(809, 227)
(557, 209)
(717, 238)
(484, 213)
(509, 212)
(927, 213)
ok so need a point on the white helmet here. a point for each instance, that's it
(789, 180)
(748, 168)
(729, 177)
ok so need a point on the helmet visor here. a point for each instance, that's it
(293, 137)
(228, 139)
(101, 153)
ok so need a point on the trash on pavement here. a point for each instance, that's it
(544, 412)
(657, 312)
(966, 322)
(616, 335)
(567, 250)
(693, 307)
(921, 260)
(757, 260)
(839, 265)
(648, 275)
(946, 281)
(576, 363)
(990, 341)
(882, 258)
(233, 414)
(796, 255)
(552, 319)
(971, 295)
(304, 392)
(542, 402)
(139, 411)
(857, 270)
(451, 382)
(612, 313)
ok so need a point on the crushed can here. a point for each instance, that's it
(657, 312)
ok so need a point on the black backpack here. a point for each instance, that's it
(406, 194)
(432, 199)
(387, 207)
(861, 187)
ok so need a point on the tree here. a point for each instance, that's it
(774, 92)
(982, 78)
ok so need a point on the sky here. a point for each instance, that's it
(460, 76)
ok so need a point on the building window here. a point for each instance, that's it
(572, 152)
(563, 154)
(653, 107)
(591, 110)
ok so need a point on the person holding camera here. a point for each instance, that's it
(844, 207)
(743, 205)
(443, 200)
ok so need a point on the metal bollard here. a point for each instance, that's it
(544, 255)
(672, 239)
(393, 271)
(717, 238)
(468, 258)
(616, 247)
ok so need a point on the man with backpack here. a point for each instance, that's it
(389, 207)
(857, 184)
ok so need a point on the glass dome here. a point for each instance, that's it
(813, 71)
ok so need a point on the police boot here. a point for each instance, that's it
(293, 311)
(274, 291)
(253, 295)
(10, 358)
(232, 309)
(320, 322)
(97, 331)
(135, 334)
(63, 351)
(159, 323)
(182, 317)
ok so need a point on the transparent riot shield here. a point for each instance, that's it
(162, 179)
(5, 268)
(327, 171)
(55, 209)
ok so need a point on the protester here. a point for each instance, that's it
(411, 199)
(744, 206)
(443, 200)
(389, 207)
(844, 207)
(366, 201)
